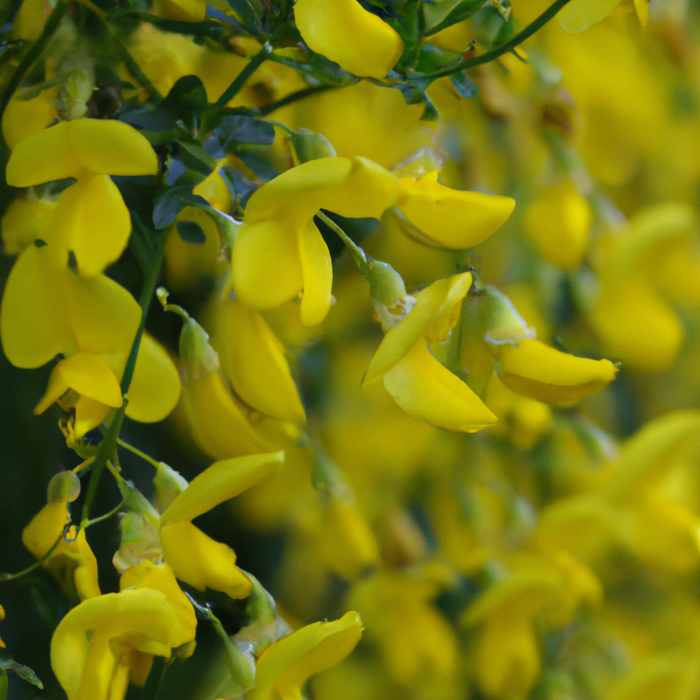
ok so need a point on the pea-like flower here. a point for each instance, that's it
(342, 30)
(414, 377)
(280, 252)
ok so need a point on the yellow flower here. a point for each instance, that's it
(345, 32)
(88, 643)
(546, 374)
(451, 218)
(414, 378)
(279, 251)
(195, 558)
(284, 667)
(25, 221)
(581, 14)
(89, 150)
(22, 118)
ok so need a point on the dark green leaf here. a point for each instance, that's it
(24, 672)
(432, 59)
(447, 13)
(242, 129)
(238, 184)
(187, 99)
(193, 155)
(249, 11)
(191, 232)
(309, 146)
(463, 85)
(170, 202)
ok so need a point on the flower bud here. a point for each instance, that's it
(64, 486)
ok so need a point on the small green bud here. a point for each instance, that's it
(310, 146)
(63, 486)
(74, 94)
(386, 285)
(169, 484)
(504, 322)
(261, 606)
(420, 163)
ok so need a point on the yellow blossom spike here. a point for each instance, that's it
(88, 375)
(426, 312)
(155, 387)
(252, 358)
(218, 483)
(451, 218)
(202, 562)
(578, 15)
(25, 221)
(43, 157)
(428, 391)
(284, 667)
(218, 421)
(557, 223)
(342, 30)
(110, 147)
(546, 374)
(82, 652)
(160, 577)
(91, 204)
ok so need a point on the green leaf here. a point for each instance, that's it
(193, 155)
(24, 672)
(310, 146)
(242, 129)
(186, 100)
(170, 202)
(191, 232)
(3, 685)
(447, 13)
(249, 11)
(463, 85)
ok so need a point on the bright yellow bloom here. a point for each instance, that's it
(279, 251)
(451, 218)
(345, 32)
(22, 118)
(25, 221)
(284, 667)
(88, 643)
(414, 378)
(546, 374)
(195, 558)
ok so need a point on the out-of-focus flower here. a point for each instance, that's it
(581, 14)
(349, 35)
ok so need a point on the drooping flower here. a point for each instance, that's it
(414, 377)
(342, 30)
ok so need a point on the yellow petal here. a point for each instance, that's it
(317, 272)
(43, 157)
(85, 573)
(434, 307)
(581, 14)
(266, 266)
(146, 574)
(218, 483)
(91, 220)
(430, 392)
(155, 387)
(24, 222)
(345, 32)
(23, 118)
(284, 667)
(546, 374)
(253, 360)
(110, 147)
(202, 562)
(45, 527)
(89, 414)
(81, 656)
(558, 223)
(452, 218)
(642, 7)
(214, 189)
(218, 423)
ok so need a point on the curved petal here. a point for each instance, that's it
(265, 263)
(93, 222)
(110, 147)
(252, 358)
(155, 387)
(45, 527)
(24, 118)
(345, 32)
(218, 483)
(578, 15)
(284, 667)
(317, 271)
(202, 562)
(452, 218)
(85, 573)
(25, 221)
(89, 375)
(430, 392)
(88, 415)
(430, 315)
(546, 374)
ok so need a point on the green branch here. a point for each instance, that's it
(235, 87)
(294, 97)
(52, 22)
(36, 564)
(492, 55)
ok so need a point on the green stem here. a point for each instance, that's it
(235, 87)
(109, 444)
(295, 97)
(492, 55)
(106, 516)
(35, 565)
(357, 253)
(54, 19)
(139, 453)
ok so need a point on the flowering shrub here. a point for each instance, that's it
(361, 338)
